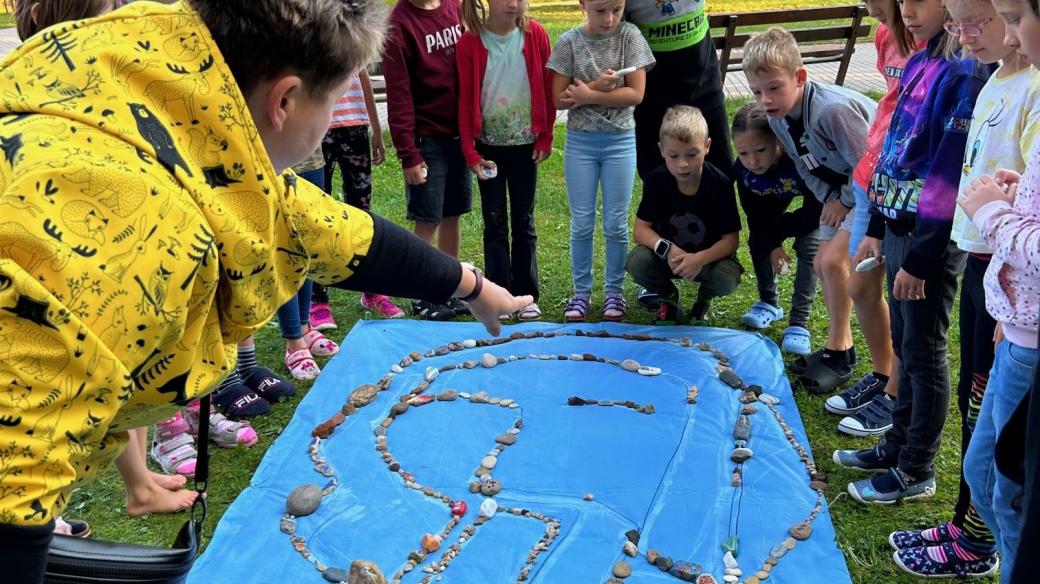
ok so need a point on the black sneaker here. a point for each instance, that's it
(458, 306)
(649, 300)
(856, 397)
(873, 420)
(667, 314)
(870, 459)
(430, 311)
(699, 312)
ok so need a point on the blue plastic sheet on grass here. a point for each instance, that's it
(665, 474)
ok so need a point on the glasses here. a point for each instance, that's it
(967, 29)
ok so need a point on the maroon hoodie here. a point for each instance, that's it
(422, 87)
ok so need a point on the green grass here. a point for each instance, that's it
(861, 531)
(6, 20)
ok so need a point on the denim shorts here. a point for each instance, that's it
(447, 191)
(860, 218)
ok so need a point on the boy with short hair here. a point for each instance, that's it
(422, 97)
(687, 221)
(187, 249)
(823, 128)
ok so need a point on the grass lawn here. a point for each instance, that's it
(862, 531)
(6, 20)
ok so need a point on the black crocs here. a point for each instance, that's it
(238, 401)
(269, 386)
(826, 374)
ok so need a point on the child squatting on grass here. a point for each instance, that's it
(687, 222)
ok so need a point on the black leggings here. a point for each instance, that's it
(23, 552)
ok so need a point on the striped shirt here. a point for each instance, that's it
(350, 109)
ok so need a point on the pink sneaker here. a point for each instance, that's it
(173, 447)
(222, 431)
(321, 317)
(382, 305)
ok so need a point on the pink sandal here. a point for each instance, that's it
(319, 345)
(301, 364)
(173, 448)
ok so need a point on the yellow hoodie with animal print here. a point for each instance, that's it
(143, 232)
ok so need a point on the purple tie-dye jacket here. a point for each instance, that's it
(914, 186)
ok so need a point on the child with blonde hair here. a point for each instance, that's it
(824, 130)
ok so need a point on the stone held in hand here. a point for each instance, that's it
(303, 500)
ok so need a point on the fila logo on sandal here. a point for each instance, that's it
(266, 383)
(247, 399)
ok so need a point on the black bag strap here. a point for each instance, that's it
(198, 508)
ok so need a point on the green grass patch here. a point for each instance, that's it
(6, 20)
(861, 531)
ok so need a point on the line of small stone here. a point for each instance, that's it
(365, 394)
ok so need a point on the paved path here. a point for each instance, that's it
(8, 40)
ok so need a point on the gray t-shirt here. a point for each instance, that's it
(582, 56)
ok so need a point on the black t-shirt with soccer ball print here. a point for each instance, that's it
(693, 222)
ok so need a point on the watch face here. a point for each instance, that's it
(662, 248)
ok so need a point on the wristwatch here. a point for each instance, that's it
(662, 247)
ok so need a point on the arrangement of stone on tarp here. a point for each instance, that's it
(306, 499)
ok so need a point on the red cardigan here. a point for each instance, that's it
(471, 58)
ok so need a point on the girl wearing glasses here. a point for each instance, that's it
(1003, 132)
(912, 193)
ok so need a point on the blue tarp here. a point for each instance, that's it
(666, 474)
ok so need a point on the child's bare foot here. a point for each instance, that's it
(168, 482)
(156, 499)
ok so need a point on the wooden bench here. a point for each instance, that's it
(375, 74)
(826, 43)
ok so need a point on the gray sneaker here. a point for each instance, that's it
(873, 420)
(869, 459)
(890, 488)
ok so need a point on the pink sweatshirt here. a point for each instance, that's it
(1013, 278)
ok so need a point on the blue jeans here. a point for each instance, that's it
(998, 499)
(592, 160)
(297, 310)
(860, 218)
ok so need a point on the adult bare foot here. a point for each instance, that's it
(156, 499)
(168, 482)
